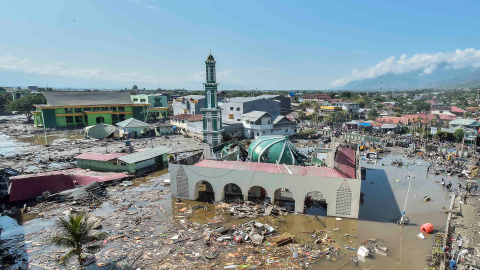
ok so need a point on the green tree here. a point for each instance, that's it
(458, 134)
(441, 135)
(372, 114)
(5, 98)
(134, 87)
(25, 104)
(76, 233)
(301, 115)
(466, 114)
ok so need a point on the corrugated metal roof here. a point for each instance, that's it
(100, 131)
(272, 168)
(79, 98)
(255, 115)
(464, 122)
(100, 156)
(144, 155)
(132, 123)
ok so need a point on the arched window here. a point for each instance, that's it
(344, 200)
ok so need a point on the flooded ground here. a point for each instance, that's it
(144, 210)
(50, 138)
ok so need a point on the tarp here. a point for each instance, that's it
(451, 150)
(365, 124)
(100, 131)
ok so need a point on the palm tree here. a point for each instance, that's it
(75, 232)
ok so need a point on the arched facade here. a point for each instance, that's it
(341, 194)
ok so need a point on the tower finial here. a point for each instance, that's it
(210, 51)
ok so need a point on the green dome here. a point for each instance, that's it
(210, 58)
(275, 149)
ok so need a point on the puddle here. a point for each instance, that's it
(9, 146)
(11, 229)
(42, 139)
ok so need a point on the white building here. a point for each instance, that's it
(259, 123)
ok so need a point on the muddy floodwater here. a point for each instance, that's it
(385, 192)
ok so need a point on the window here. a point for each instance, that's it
(286, 130)
(123, 164)
(142, 100)
(230, 116)
(268, 122)
(104, 108)
(68, 110)
(121, 109)
(87, 109)
(135, 100)
(258, 134)
(238, 120)
(264, 132)
(77, 110)
(238, 109)
(69, 119)
(231, 108)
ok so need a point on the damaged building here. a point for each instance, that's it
(283, 180)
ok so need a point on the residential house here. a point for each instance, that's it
(468, 123)
(457, 111)
(163, 129)
(393, 120)
(84, 108)
(348, 106)
(392, 128)
(259, 123)
(315, 97)
(188, 104)
(132, 128)
(441, 110)
(182, 120)
(136, 162)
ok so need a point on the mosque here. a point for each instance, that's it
(272, 169)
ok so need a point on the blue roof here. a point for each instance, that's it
(365, 124)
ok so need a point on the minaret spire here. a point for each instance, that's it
(212, 114)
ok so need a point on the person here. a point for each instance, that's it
(443, 183)
(459, 186)
(464, 198)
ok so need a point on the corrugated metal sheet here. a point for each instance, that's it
(272, 168)
(83, 98)
(26, 187)
(100, 156)
(132, 123)
(100, 131)
(144, 155)
(345, 161)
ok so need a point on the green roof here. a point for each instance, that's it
(275, 149)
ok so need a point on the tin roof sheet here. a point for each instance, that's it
(272, 168)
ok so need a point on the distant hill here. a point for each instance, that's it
(443, 77)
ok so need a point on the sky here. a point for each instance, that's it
(275, 44)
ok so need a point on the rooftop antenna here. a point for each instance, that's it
(381, 83)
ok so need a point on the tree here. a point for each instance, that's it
(75, 232)
(372, 114)
(134, 87)
(458, 134)
(441, 135)
(466, 114)
(25, 104)
(5, 98)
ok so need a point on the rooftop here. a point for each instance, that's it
(99, 156)
(255, 115)
(190, 117)
(145, 154)
(85, 98)
(272, 168)
(132, 123)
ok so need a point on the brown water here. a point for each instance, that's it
(384, 200)
(49, 138)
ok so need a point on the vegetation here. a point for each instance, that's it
(76, 233)
(372, 114)
(24, 105)
(458, 134)
(5, 98)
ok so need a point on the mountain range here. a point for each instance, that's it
(443, 77)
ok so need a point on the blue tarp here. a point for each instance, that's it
(365, 124)
(451, 150)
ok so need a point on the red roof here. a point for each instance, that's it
(190, 117)
(272, 168)
(423, 117)
(29, 186)
(446, 117)
(99, 156)
(456, 110)
(433, 102)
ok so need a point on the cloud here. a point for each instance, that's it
(13, 63)
(424, 63)
(144, 4)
